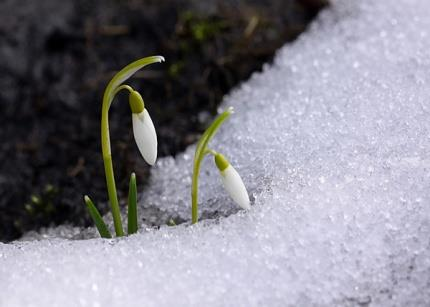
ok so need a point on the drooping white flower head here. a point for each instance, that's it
(143, 128)
(232, 182)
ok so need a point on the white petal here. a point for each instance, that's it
(235, 187)
(145, 136)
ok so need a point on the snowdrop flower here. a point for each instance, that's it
(146, 140)
(230, 178)
(232, 182)
(143, 128)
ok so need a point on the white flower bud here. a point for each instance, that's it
(145, 136)
(232, 182)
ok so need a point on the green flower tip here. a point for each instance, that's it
(221, 162)
(136, 102)
(87, 199)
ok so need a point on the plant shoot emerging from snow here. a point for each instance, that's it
(229, 176)
(146, 140)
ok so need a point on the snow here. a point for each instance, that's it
(333, 144)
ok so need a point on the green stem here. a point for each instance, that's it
(122, 87)
(107, 160)
(210, 152)
(201, 151)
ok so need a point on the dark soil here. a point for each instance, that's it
(56, 58)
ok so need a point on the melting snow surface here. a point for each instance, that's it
(333, 143)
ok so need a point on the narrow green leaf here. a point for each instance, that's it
(132, 205)
(97, 218)
(126, 73)
(211, 131)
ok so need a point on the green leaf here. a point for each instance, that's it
(132, 205)
(211, 131)
(97, 218)
(126, 73)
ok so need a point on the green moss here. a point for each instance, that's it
(42, 206)
(202, 28)
(176, 68)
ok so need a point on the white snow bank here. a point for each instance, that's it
(333, 143)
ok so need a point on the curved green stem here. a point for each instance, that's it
(210, 152)
(122, 87)
(114, 86)
(201, 151)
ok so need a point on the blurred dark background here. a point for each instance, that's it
(56, 58)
